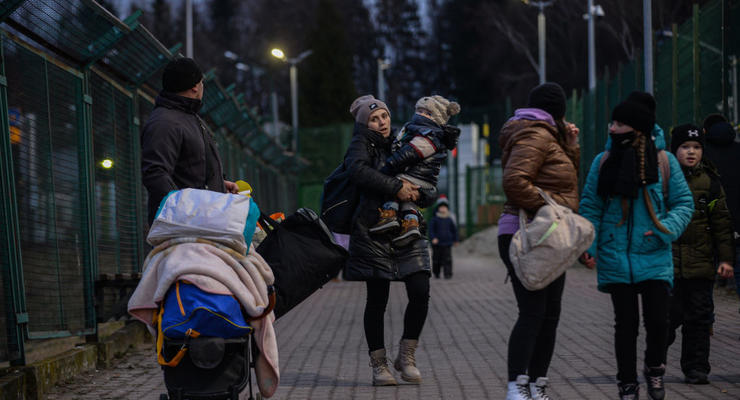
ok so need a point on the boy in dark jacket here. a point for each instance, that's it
(707, 237)
(419, 151)
(443, 234)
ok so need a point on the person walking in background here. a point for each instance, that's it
(443, 235)
(636, 217)
(372, 257)
(723, 151)
(539, 150)
(177, 150)
(708, 237)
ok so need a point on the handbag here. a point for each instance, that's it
(302, 254)
(544, 248)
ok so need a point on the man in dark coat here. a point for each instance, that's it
(177, 150)
(723, 150)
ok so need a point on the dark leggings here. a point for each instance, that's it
(532, 340)
(655, 299)
(417, 289)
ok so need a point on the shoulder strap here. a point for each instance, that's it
(665, 170)
(603, 159)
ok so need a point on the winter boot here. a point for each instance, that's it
(695, 377)
(406, 361)
(654, 382)
(381, 373)
(388, 222)
(409, 232)
(629, 391)
(519, 389)
(537, 389)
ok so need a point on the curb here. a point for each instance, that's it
(34, 380)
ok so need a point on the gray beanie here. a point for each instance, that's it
(439, 108)
(363, 106)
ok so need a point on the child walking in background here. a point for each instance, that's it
(443, 235)
(418, 153)
(707, 238)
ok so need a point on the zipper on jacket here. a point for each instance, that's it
(334, 206)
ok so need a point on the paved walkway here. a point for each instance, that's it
(462, 354)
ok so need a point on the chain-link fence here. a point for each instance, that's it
(76, 86)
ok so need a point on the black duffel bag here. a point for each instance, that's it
(303, 256)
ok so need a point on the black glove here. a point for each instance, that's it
(452, 134)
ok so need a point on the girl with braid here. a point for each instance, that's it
(636, 217)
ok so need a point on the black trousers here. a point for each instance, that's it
(532, 339)
(692, 308)
(417, 290)
(442, 260)
(655, 299)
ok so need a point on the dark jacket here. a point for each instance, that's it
(422, 149)
(723, 151)
(173, 155)
(373, 256)
(709, 233)
(443, 229)
(534, 154)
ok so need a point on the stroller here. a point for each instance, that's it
(209, 367)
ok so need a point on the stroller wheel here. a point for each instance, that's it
(164, 397)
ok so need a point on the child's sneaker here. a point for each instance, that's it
(409, 232)
(387, 222)
(629, 391)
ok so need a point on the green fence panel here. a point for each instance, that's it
(710, 60)
(685, 74)
(115, 178)
(664, 84)
(50, 191)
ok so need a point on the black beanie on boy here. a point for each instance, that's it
(684, 133)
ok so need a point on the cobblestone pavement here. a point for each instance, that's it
(462, 353)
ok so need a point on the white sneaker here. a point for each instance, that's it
(519, 389)
(538, 388)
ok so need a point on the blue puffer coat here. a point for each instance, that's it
(623, 253)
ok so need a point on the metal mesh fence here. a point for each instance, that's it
(76, 89)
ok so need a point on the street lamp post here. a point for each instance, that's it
(277, 53)
(189, 28)
(593, 11)
(647, 34)
(541, 32)
(383, 64)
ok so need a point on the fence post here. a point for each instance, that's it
(140, 212)
(695, 48)
(674, 75)
(87, 183)
(468, 202)
(12, 273)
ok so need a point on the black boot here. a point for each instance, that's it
(629, 391)
(654, 382)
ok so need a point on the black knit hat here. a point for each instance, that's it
(644, 98)
(180, 75)
(549, 97)
(684, 133)
(635, 115)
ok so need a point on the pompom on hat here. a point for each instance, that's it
(439, 108)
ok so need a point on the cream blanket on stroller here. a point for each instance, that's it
(214, 268)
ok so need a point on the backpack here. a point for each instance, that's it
(339, 200)
(663, 164)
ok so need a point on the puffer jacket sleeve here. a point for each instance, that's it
(358, 161)
(526, 157)
(721, 229)
(680, 204)
(592, 205)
